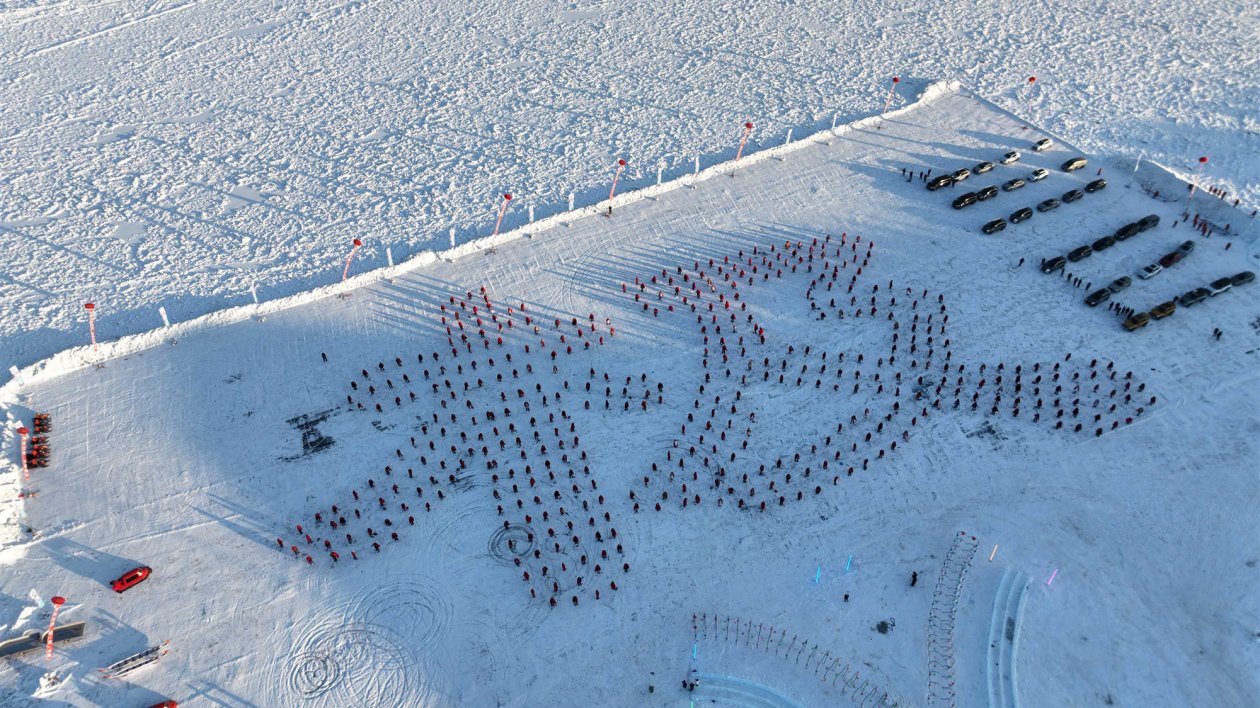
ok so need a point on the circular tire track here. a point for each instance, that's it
(343, 662)
(373, 664)
(419, 613)
(517, 533)
(312, 674)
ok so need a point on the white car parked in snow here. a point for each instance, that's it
(1039, 174)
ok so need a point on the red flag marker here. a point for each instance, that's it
(24, 431)
(1028, 104)
(1197, 176)
(91, 308)
(742, 141)
(57, 602)
(502, 210)
(888, 101)
(354, 248)
(621, 165)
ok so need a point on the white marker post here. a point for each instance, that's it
(570, 201)
(91, 309)
(531, 213)
(166, 322)
(253, 291)
(353, 248)
(389, 257)
(452, 237)
(660, 169)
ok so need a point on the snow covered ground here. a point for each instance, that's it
(196, 455)
(173, 153)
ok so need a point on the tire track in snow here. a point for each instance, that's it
(107, 30)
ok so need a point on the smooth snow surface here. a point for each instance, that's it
(194, 455)
(174, 153)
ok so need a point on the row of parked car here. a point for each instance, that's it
(1009, 158)
(1100, 296)
(1193, 297)
(1047, 205)
(1146, 223)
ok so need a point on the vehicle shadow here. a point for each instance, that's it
(85, 561)
(218, 696)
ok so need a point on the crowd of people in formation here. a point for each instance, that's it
(718, 455)
(496, 408)
(500, 404)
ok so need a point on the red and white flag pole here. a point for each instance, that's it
(621, 165)
(91, 308)
(356, 243)
(26, 471)
(891, 89)
(1028, 101)
(57, 602)
(1197, 176)
(502, 210)
(742, 142)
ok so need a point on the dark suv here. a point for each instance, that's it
(1081, 253)
(1103, 243)
(1127, 231)
(1021, 215)
(938, 182)
(1148, 222)
(1053, 264)
(965, 200)
(1097, 296)
(1074, 164)
(994, 226)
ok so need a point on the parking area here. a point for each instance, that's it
(1056, 209)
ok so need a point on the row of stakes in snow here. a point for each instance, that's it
(826, 667)
(461, 391)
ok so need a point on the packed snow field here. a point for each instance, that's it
(175, 153)
(692, 452)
